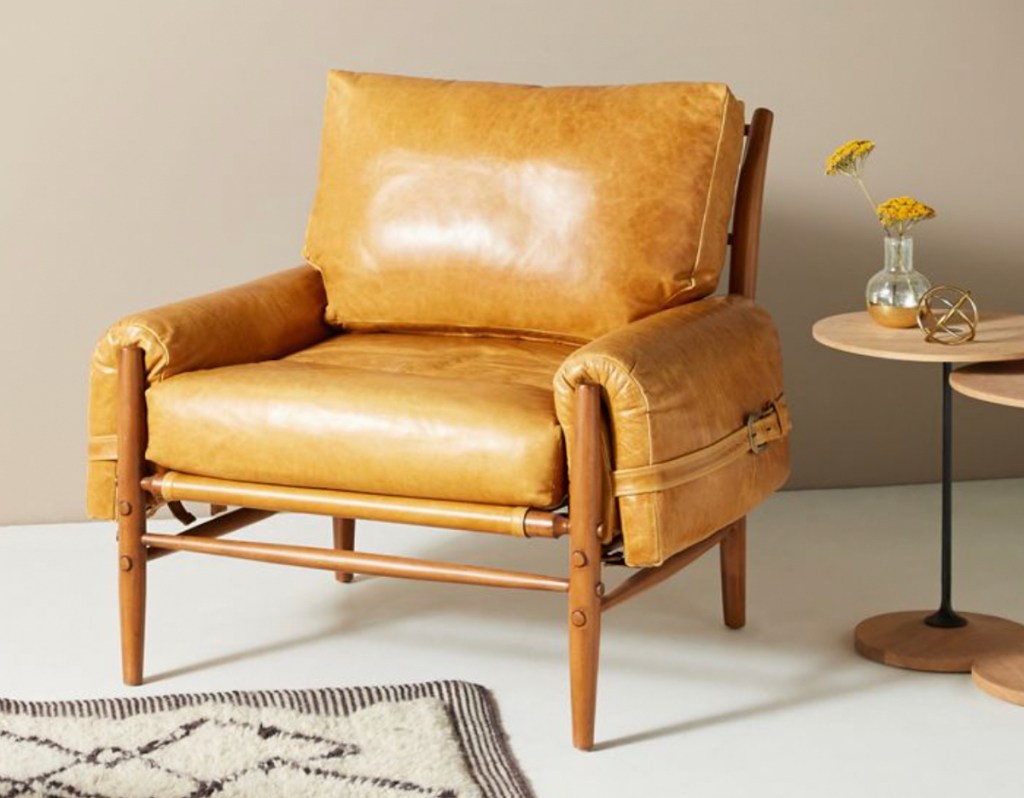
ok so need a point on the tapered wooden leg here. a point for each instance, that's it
(344, 540)
(733, 553)
(585, 587)
(131, 511)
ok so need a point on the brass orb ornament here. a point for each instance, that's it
(947, 315)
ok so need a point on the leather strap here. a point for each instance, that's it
(183, 515)
(762, 428)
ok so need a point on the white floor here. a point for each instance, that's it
(783, 708)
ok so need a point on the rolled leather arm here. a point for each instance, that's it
(679, 388)
(260, 320)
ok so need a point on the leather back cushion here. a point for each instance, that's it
(537, 212)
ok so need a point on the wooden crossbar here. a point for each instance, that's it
(358, 562)
(223, 524)
(649, 577)
(468, 516)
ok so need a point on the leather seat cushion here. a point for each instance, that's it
(442, 417)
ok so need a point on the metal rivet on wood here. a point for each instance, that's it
(599, 589)
(579, 559)
(124, 507)
(579, 618)
(126, 563)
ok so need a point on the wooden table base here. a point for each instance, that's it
(904, 640)
(1002, 675)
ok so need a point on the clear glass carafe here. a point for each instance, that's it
(894, 293)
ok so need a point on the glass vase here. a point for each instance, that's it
(894, 292)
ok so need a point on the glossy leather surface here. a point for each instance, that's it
(266, 318)
(439, 417)
(674, 383)
(523, 222)
(580, 209)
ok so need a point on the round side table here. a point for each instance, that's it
(943, 640)
(999, 674)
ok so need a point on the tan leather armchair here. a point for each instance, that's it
(508, 327)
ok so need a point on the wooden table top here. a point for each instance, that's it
(999, 383)
(1000, 337)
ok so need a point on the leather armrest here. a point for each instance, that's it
(674, 383)
(260, 320)
(263, 319)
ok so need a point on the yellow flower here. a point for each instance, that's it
(848, 159)
(900, 213)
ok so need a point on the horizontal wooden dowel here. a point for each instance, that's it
(223, 524)
(650, 577)
(359, 563)
(466, 516)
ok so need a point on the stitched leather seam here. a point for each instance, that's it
(655, 522)
(729, 99)
(668, 303)
(452, 329)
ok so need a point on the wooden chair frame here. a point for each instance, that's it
(583, 524)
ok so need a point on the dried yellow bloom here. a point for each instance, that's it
(899, 214)
(848, 159)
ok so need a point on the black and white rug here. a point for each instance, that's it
(436, 740)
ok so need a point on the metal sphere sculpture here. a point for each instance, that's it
(947, 315)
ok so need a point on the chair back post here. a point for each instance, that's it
(746, 223)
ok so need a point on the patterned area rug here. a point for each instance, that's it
(437, 740)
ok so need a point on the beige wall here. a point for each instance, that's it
(151, 150)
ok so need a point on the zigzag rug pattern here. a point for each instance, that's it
(436, 740)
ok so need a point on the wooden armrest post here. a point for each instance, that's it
(585, 586)
(131, 510)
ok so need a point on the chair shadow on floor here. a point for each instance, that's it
(795, 610)
(806, 694)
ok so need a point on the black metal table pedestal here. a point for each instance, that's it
(943, 640)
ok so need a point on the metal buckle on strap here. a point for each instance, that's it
(771, 408)
(755, 447)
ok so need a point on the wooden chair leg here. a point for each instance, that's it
(131, 511)
(585, 586)
(733, 553)
(344, 540)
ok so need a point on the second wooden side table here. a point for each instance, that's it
(942, 640)
(1000, 674)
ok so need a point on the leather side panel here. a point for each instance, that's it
(674, 383)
